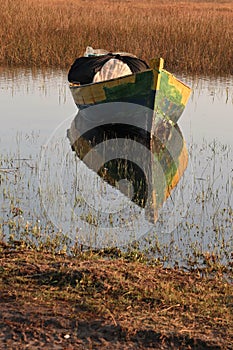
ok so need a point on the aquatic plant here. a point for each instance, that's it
(55, 32)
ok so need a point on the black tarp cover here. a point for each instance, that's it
(84, 69)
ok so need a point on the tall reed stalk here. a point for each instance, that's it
(193, 37)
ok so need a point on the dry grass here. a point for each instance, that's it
(110, 304)
(194, 37)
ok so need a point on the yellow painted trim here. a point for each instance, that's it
(157, 65)
(180, 86)
(93, 93)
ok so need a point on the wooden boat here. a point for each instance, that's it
(155, 89)
(151, 165)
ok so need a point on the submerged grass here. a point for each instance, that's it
(194, 37)
(35, 214)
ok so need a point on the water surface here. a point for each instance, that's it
(54, 192)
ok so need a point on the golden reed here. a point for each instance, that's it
(193, 37)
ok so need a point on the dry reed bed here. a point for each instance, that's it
(192, 36)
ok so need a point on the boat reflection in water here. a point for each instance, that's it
(145, 167)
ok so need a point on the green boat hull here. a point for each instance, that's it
(154, 89)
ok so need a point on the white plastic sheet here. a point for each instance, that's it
(114, 68)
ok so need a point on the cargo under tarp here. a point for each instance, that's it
(94, 68)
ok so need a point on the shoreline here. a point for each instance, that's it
(91, 302)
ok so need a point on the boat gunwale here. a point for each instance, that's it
(178, 79)
(83, 86)
(110, 80)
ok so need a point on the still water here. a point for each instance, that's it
(46, 188)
